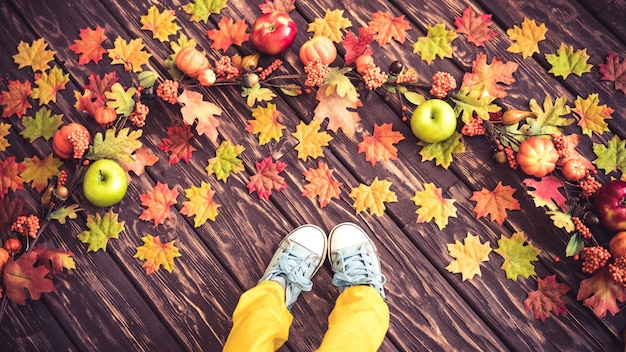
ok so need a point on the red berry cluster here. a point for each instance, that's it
(80, 142)
(618, 270)
(594, 258)
(373, 77)
(139, 114)
(474, 128)
(581, 227)
(271, 68)
(62, 179)
(224, 68)
(589, 186)
(508, 151)
(26, 225)
(560, 144)
(407, 77)
(168, 91)
(316, 73)
(442, 83)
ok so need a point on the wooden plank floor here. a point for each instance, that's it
(108, 302)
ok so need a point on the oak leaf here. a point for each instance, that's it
(229, 33)
(43, 125)
(437, 42)
(614, 70)
(321, 184)
(15, 99)
(310, 140)
(200, 204)
(518, 256)
(472, 101)
(256, 94)
(158, 203)
(10, 179)
(277, 5)
(526, 38)
(601, 293)
(141, 158)
(476, 27)
(36, 55)
(442, 152)
(549, 119)
(63, 213)
(48, 84)
(356, 46)
(546, 192)
(612, 156)
(101, 230)
(55, 259)
(592, 115)
(114, 144)
(547, 299)
(380, 146)
(89, 46)
(195, 108)
(157, 254)
(433, 206)
(330, 26)
(567, 61)
(23, 279)
(226, 161)
(266, 123)
(178, 143)
(337, 82)
(385, 27)
(495, 203)
(129, 53)
(123, 101)
(468, 256)
(4, 133)
(160, 23)
(40, 171)
(267, 178)
(335, 108)
(486, 76)
(561, 220)
(373, 196)
(200, 10)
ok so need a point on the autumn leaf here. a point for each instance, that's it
(200, 204)
(380, 146)
(15, 99)
(4, 133)
(200, 10)
(337, 82)
(385, 27)
(330, 26)
(157, 254)
(170, 62)
(266, 123)
(373, 197)
(101, 230)
(468, 256)
(437, 42)
(226, 161)
(256, 94)
(229, 33)
(601, 293)
(23, 279)
(495, 203)
(44, 125)
(55, 260)
(433, 206)
(140, 159)
(472, 101)
(195, 108)
(526, 38)
(267, 178)
(10, 176)
(178, 143)
(549, 119)
(48, 84)
(518, 256)
(475, 26)
(160, 23)
(277, 5)
(40, 171)
(36, 55)
(357, 46)
(99, 85)
(132, 52)
(546, 192)
(442, 152)
(567, 61)
(592, 115)
(118, 146)
(561, 220)
(310, 140)
(335, 108)
(10, 210)
(61, 214)
(611, 157)
(121, 100)
(89, 46)
(158, 201)
(614, 70)
(321, 184)
(487, 76)
(547, 298)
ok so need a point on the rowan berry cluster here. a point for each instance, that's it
(263, 74)
(407, 77)
(560, 144)
(581, 227)
(168, 91)
(617, 270)
(26, 225)
(139, 114)
(589, 186)
(80, 142)
(594, 258)
(474, 128)
(316, 73)
(373, 77)
(224, 68)
(442, 83)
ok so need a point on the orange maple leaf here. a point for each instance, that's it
(495, 203)
(156, 254)
(335, 107)
(130, 54)
(357, 46)
(475, 26)
(15, 99)
(89, 46)
(141, 158)
(592, 115)
(200, 204)
(386, 27)
(487, 76)
(178, 143)
(433, 206)
(10, 176)
(195, 108)
(546, 192)
(229, 33)
(267, 178)
(48, 84)
(321, 184)
(380, 146)
(158, 202)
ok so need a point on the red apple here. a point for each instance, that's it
(610, 205)
(273, 32)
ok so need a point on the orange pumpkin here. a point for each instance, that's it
(191, 61)
(4, 258)
(617, 244)
(574, 169)
(13, 246)
(363, 62)
(206, 77)
(537, 156)
(61, 144)
(105, 115)
(318, 47)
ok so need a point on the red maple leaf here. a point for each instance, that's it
(158, 202)
(10, 176)
(10, 209)
(101, 84)
(357, 46)
(386, 27)
(487, 76)
(229, 33)
(55, 260)
(601, 293)
(22, 278)
(267, 178)
(546, 192)
(547, 298)
(89, 47)
(321, 184)
(475, 26)
(380, 146)
(495, 203)
(178, 143)
(614, 70)
(15, 99)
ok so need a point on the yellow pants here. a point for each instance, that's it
(261, 320)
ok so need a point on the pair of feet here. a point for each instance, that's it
(302, 252)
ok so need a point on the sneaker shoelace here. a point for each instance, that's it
(294, 269)
(357, 269)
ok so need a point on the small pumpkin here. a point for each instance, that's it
(191, 61)
(363, 62)
(105, 115)
(61, 143)
(574, 169)
(318, 47)
(4, 258)
(207, 77)
(617, 245)
(13, 246)
(537, 156)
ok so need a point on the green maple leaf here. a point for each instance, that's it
(61, 214)
(517, 256)
(442, 152)
(118, 146)
(101, 229)
(436, 43)
(44, 125)
(226, 161)
(257, 94)
(338, 82)
(612, 156)
(549, 120)
(48, 84)
(469, 102)
(566, 61)
(123, 101)
(200, 10)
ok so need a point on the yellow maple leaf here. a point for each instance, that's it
(36, 55)
(200, 204)
(311, 140)
(48, 84)
(433, 206)
(330, 26)
(526, 39)
(4, 133)
(160, 23)
(592, 115)
(129, 53)
(373, 196)
(39, 171)
(266, 123)
(468, 256)
(156, 254)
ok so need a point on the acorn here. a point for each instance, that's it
(500, 157)
(250, 80)
(396, 67)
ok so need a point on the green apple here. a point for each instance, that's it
(433, 121)
(105, 183)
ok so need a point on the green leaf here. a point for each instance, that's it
(517, 256)
(338, 82)
(147, 78)
(612, 156)
(101, 229)
(42, 125)
(118, 146)
(566, 61)
(63, 213)
(442, 152)
(436, 43)
(414, 98)
(122, 101)
(200, 10)
(469, 102)
(575, 245)
(226, 161)
(549, 120)
(257, 94)
(292, 90)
